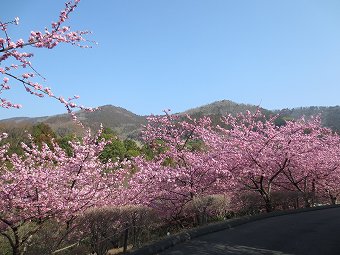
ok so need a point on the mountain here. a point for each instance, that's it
(125, 123)
(222, 107)
(330, 116)
(128, 125)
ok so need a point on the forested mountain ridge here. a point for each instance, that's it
(123, 122)
(221, 108)
(330, 115)
(128, 125)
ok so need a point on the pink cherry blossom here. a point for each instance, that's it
(47, 183)
(58, 33)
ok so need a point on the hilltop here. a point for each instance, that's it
(128, 124)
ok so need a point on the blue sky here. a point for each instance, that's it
(179, 54)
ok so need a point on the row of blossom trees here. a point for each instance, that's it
(246, 153)
(192, 159)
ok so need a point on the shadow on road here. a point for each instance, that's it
(314, 232)
(204, 248)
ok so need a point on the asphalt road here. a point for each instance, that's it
(308, 233)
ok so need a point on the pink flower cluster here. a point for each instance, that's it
(249, 153)
(47, 183)
(12, 58)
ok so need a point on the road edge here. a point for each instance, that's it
(171, 241)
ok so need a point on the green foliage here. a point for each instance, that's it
(63, 142)
(147, 152)
(17, 133)
(132, 149)
(113, 151)
(117, 149)
(42, 133)
(195, 145)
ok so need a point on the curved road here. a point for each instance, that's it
(308, 233)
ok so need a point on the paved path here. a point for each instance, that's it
(308, 233)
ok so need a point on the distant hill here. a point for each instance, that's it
(128, 124)
(221, 108)
(330, 115)
(122, 121)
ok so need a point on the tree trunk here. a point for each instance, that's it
(269, 206)
(268, 201)
(16, 243)
(16, 250)
(333, 199)
(307, 201)
(297, 203)
(126, 237)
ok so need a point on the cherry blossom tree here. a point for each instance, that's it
(46, 184)
(274, 158)
(16, 66)
(182, 169)
(306, 148)
(325, 166)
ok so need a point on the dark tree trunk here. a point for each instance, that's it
(269, 206)
(16, 243)
(333, 199)
(126, 237)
